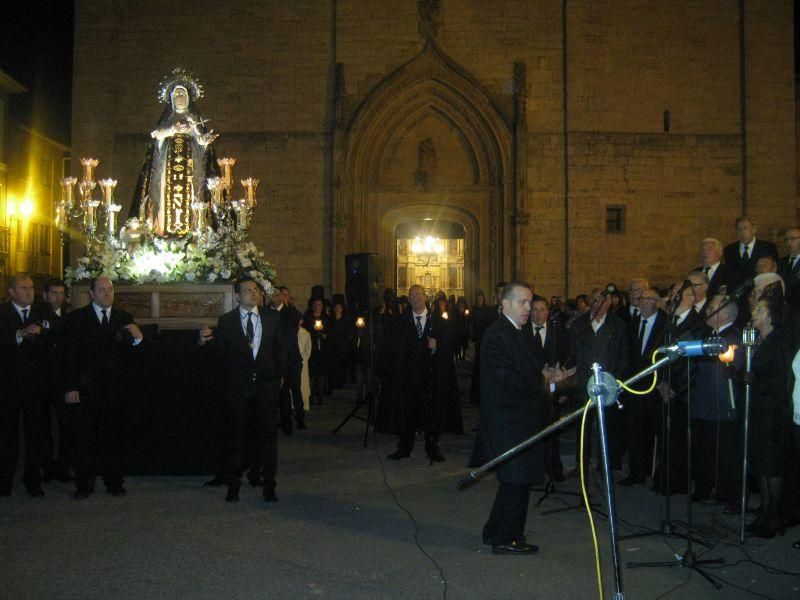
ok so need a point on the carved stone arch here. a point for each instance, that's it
(430, 84)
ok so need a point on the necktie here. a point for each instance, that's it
(641, 335)
(24, 316)
(674, 319)
(745, 254)
(251, 332)
(635, 313)
(537, 336)
(419, 326)
(706, 270)
(104, 320)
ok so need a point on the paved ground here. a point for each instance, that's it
(350, 524)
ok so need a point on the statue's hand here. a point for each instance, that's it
(205, 139)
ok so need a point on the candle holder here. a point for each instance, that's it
(108, 185)
(242, 210)
(90, 219)
(250, 185)
(89, 165)
(68, 192)
(198, 218)
(62, 216)
(111, 218)
(226, 164)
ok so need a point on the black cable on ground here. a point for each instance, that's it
(413, 520)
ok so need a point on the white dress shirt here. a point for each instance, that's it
(256, 319)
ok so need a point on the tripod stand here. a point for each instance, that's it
(370, 398)
(689, 558)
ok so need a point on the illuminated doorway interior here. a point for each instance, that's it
(431, 254)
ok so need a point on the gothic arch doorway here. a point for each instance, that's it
(427, 143)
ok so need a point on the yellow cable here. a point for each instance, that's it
(588, 506)
(642, 392)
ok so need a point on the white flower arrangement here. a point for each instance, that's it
(222, 255)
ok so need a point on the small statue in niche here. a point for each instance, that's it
(426, 163)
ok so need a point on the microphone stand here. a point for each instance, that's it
(370, 397)
(749, 340)
(689, 558)
(602, 388)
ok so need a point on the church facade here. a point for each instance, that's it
(565, 143)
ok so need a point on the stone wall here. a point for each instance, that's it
(268, 69)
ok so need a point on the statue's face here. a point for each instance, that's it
(180, 99)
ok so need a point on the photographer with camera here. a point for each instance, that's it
(100, 339)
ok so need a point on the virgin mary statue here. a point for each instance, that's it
(178, 160)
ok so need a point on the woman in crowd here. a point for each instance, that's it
(769, 414)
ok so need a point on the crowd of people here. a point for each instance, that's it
(281, 360)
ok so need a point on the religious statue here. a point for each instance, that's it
(178, 161)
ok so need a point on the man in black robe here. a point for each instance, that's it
(512, 410)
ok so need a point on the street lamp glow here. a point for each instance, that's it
(26, 208)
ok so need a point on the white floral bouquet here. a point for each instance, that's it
(222, 255)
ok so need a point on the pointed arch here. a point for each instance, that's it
(430, 84)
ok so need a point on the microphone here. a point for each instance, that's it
(610, 289)
(740, 291)
(708, 347)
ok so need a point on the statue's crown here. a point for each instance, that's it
(179, 76)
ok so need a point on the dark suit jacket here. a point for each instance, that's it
(640, 360)
(791, 278)
(231, 344)
(97, 357)
(608, 347)
(512, 403)
(727, 275)
(556, 342)
(24, 366)
(747, 268)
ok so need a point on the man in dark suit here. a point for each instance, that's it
(23, 355)
(512, 410)
(549, 340)
(485, 317)
(56, 463)
(716, 429)
(601, 337)
(718, 274)
(417, 363)
(672, 387)
(291, 396)
(789, 267)
(251, 343)
(743, 254)
(642, 413)
(100, 339)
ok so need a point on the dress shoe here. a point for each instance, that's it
(233, 494)
(488, 541)
(703, 498)
(216, 482)
(435, 456)
(734, 508)
(629, 480)
(117, 491)
(515, 548)
(35, 491)
(270, 496)
(767, 528)
(255, 480)
(398, 454)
